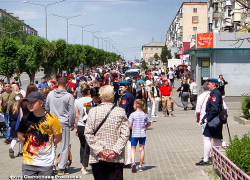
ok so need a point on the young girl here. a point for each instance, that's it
(138, 122)
(14, 112)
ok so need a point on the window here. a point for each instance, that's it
(146, 54)
(216, 7)
(151, 49)
(195, 10)
(216, 23)
(151, 55)
(194, 28)
(195, 19)
(146, 49)
(157, 49)
(229, 12)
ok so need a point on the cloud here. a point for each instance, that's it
(121, 31)
(25, 15)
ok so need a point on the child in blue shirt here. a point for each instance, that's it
(138, 122)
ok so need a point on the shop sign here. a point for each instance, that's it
(204, 40)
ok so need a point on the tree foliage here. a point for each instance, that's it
(156, 56)
(8, 53)
(165, 52)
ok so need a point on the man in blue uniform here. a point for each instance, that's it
(127, 103)
(213, 108)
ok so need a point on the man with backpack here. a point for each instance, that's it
(61, 104)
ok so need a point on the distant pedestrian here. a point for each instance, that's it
(193, 93)
(171, 77)
(222, 84)
(138, 122)
(156, 98)
(166, 93)
(42, 84)
(185, 94)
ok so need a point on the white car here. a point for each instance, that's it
(137, 64)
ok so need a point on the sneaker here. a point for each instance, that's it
(11, 153)
(203, 163)
(133, 167)
(66, 171)
(140, 168)
(19, 154)
(84, 172)
(60, 172)
(7, 141)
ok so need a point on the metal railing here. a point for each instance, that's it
(226, 167)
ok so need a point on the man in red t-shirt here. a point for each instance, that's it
(165, 95)
(71, 84)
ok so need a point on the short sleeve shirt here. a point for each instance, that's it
(38, 148)
(138, 119)
(165, 90)
(72, 85)
(82, 111)
(171, 74)
(41, 85)
(11, 100)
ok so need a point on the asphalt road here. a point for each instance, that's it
(25, 80)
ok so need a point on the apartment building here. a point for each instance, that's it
(29, 30)
(190, 19)
(149, 50)
(228, 16)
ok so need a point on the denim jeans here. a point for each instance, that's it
(7, 122)
(150, 107)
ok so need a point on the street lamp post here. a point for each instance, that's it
(45, 6)
(93, 33)
(11, 32)
(82, 28)
(67, 21)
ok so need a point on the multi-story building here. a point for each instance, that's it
(189, 20)
(228, 15)
(29, 30)
(149, 50)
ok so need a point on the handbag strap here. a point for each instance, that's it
(8, 97)
(103, 121)
(203, 101)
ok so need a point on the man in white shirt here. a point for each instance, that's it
(193, 93)
(171, 76)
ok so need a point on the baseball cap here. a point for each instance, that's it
(34, 96)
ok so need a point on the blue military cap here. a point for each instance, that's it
(124, 83)
(213, 80)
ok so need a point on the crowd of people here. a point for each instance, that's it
(107, 111)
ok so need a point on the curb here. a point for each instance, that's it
(241, 119)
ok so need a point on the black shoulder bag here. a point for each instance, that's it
(103, 121)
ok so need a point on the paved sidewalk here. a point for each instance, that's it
(173, 147)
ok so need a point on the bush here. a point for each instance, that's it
(144, 65)
(238, 151)
(244, 109)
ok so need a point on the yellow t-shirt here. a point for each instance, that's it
(38, 148)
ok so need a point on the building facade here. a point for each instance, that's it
(149, 50)
(189, 20)
(29, 30)
(228, 16)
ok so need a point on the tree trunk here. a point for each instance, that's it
(32, 76)
(54, 73)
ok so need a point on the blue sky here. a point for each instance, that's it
(132, 23)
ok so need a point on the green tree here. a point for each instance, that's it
(9, 25)
(8, 54)
(156, 56)
(165, 52)
(50, 60)
(31, 56)
(144, 65)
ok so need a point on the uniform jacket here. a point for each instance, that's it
(214, 104)
(112, 136)
(127, 102)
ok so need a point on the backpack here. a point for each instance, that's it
(68, 88)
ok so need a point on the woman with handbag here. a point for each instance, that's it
(213, 127)
(107, 132)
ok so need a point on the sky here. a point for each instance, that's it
(127, 24)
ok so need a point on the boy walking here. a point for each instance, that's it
(138, 122)
(39, 132)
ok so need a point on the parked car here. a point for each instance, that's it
(132, 73)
